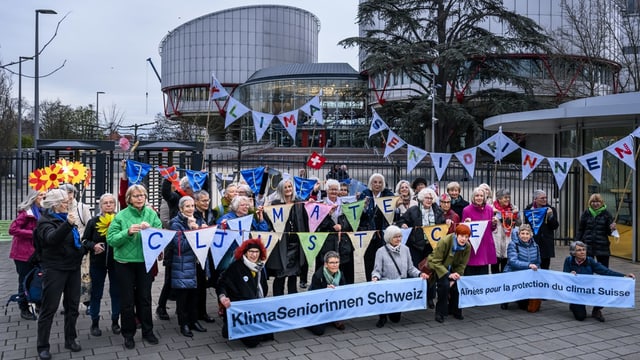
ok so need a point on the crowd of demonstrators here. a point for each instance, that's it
(507, 215)
(523, 253)
(594, 228)
(548, 225)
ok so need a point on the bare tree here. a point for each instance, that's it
(112, 120)
(8, 112)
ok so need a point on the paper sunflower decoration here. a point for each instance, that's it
(73, 172)
(103, 223)
(46, 178)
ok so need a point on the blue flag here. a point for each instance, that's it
(535, 217)
(304, 187)
(197, 179)
(136, 171)
(356, 187)
(253, 177)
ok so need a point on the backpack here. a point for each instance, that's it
(33, 286)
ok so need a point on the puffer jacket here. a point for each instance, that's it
(184, 261)
(521, 254)
(588, 267)
(594, 232)
(22, 230)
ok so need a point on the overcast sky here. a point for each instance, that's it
(106, 44)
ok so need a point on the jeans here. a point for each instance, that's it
(98, 274)
(22, 268)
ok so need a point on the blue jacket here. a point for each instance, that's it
(521, 254)
(184, 261)
(255, 225)
(589, 267)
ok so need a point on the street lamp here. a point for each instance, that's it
(36, 96)
(434, 120)
(98, 109)
(19, 162)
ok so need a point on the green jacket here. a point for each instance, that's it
(443, 261)
(128, 248)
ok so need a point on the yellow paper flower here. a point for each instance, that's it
(46, 178)
(73, 172)
(103, 223)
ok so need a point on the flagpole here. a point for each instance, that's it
(206, 134)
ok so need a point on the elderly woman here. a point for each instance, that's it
(405, 200)
(393, 261)
(425, 214)
(241, 206)
(57, 242)
(22, 244)
(578, 263)
(450, 216)
(328, 276)
(594, 228)
(135, 282)
(523, 254)
(448, 261)
(457, 202)
(373, 219)
(507, 215)
(485, 254)
(102, 264)
(245, 279)
(548, 225)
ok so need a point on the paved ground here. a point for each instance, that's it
(485, 333)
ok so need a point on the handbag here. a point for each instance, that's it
(534, 305)
(423, 266)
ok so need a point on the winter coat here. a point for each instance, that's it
(318, 280)
(594, 232)
(453, 216)
(418, 246)
(184, 262)
(22, 230)
(255, 225)
(507, 220)
(444, 261)
(287, 256)
(128, 248)
(545, 236)
(385, 269)
(91, 237)
(238, 282)
(458, 205)
(56, 245)
(340, 243)
(522, 254)
(486, 253)
(589, 267)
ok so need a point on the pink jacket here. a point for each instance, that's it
(22, 230)
(486, 253)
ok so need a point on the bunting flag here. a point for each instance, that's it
(303, 186)
(360, 241)
(290, 122)
(316, 212)
(414, 156)
(387, 205)
(269, 239)
(434, 233)
(313, 109)
(274, 177)
(223, 180)
(348, 199)
(560, 168)
(377, 124)
(261, 122)
(222, 242)
(353, 212)
(394, 142)
(530, 161)
(278, 215)
(216, 90)
(623, 150)
(200, 242)
(477, 231)
(311, 243)
(467, 158)
(592, 162)
(243, 226)
(636, 132)
(136, 171)
(440, 163)
(153, 242)
(356, 187)
(405, 235)
(316, 161)
(170, 173)
(197, 179)
(499, 145)
(253, 177)
(235, 110)
(536, 218)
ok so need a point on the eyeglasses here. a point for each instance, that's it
(204, 200)
(138, 195)
(445, 202)
(253, 251)
(333, 262)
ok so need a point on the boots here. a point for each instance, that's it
(25, 313)
(95, 328)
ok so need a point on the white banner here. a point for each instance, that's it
(280, 313)
(593, 290)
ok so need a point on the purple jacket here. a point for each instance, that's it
(22, 230)
(486, 253)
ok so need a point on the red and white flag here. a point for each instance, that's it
(316, 161)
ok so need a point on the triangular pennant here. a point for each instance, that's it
(435, 233)
(356, 187)
(405, 235)
(253, 177)
(290, 122)
(222, 241)
(314, 109)
(223, 180)
(530, 162)
(261, 122)
(311, 243)
(243, 226)
(467, 158)
(414, 156)
(153, 242)
(200, 242)
(360, 241)
(278, 215)
(269, 239)
(136, 171)
(477, 232)
(490, 145)
(636, 132)
(353, 211)
(275, 176)
(394, 142)
(592, 162)
(560, 168)
(235, 110)
(197, 179)
(535, 217)
(216, 90)
(303, 187)
(440, 162)
(170, 174)
(387, 205)
(506, 146)
(316, 213)
(377, 124)
(623, 150)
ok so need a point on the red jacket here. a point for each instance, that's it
(22, 230)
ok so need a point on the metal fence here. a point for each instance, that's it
(106, 170)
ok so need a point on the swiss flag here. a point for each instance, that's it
(316, 161)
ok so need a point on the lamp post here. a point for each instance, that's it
(434, 121)
(98, 109)
(36, 96)
(19, 162)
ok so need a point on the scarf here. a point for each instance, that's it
(338, 210)
(36, 211)
(428, 216)
(256, 270)
(394, 249)
(74, 230)
(332, 279)
(598, 211)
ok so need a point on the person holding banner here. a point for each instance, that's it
(485, 253)
(328, 276)
(578, 263)
(523, 254)
(594, 228)
(392, 262)
(543, 217)
(448, 261)
(245, 279)
(134, 280)
(373, 219)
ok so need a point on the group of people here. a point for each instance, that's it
(55, 231)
